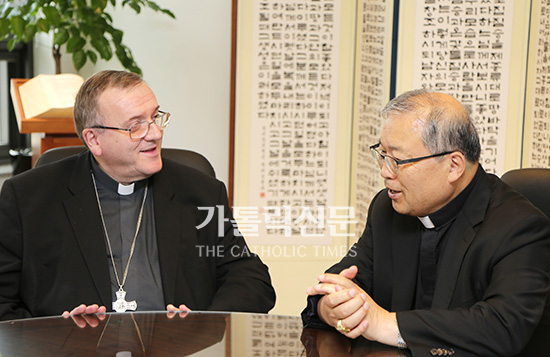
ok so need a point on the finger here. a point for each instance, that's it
(354, 321)
(352, 310)
(350, 272)
(184, 311)
(358, 330)
(78, 310)
(91, 320)
(321, 289)
(337, 280)
(337, 306)
(344, 301)
(79, 321)
(101, 310)
(172, 311)
(91, 309)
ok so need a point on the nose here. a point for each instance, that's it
(385, 171)
(154, 133)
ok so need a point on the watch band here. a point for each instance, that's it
(401, 344)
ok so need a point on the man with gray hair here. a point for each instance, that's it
(452, 260)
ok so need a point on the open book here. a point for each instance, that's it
(50, 96)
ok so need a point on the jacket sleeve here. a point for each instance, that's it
(242, 280)
(11, 256)
(513, 288)
(360, 254)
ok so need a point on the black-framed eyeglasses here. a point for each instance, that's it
(393, 164)
(140, 129)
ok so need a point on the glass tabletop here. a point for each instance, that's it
(163, 334)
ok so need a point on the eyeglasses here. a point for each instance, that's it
(140, 129)
(392, 163)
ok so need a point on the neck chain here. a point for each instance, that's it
(121, 305)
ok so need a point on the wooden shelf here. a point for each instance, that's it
(58, 131)
(37, 125)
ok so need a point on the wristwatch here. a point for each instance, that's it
(401, 344)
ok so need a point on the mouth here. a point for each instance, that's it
(149, 150)
(393, 193)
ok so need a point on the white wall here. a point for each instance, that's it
(187, 64)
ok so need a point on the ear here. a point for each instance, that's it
(92, 140)
(457, 166)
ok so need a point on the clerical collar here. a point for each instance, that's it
(125, 190)
(451, 209)
(113, 185)
(427, 222)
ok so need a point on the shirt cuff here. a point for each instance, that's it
(310, 317)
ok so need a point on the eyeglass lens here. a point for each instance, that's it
(140, 130)
(380, 159)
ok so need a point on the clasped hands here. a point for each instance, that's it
(91, 315)
(349, 307)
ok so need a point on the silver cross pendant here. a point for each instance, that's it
(121, 305)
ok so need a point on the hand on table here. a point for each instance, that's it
(172, 311)
(83, 315)
(91, 315)
(345, 301)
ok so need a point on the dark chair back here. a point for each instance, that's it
(182, 156)
(189, 158)
(534, 183)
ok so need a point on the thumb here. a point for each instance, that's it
(350, 272)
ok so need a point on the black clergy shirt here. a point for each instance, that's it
(433, 240)
(120, 211)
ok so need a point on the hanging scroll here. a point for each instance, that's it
(374, 25)
(294, 92)
(538, 109)
(463, 48)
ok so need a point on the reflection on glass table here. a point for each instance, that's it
(159, 334)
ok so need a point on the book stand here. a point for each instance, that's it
(58, 131)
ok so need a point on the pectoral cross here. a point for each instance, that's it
(121, 305)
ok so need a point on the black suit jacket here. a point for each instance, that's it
(492, 279)
(53, 255)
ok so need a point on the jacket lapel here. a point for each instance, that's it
(82, 211)
(405, 249)
(172, 219)
(461, 235)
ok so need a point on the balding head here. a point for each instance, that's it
(445, 124)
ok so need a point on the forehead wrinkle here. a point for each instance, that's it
(141, 116)
(390, 147)
(413, 127)
(138, 117)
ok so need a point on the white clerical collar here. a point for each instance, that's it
(125, 190)
(427, 222)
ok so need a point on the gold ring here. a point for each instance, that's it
(341, 327)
